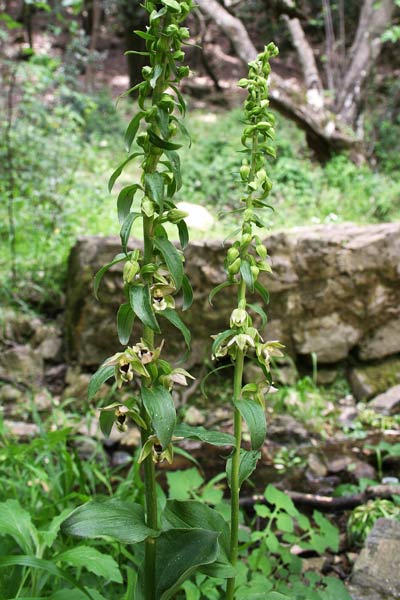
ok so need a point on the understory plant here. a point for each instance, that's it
(172, 539)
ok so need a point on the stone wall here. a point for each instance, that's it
(335, 291)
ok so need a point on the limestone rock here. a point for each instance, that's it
(387, 403)
(376, 571)
(22, 365)
(334, 290)
(368, 381)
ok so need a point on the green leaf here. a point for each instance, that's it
(248, 463)
(182, 485)
(115, 519)
(102, 374)
(154, 188)
(262, 291)
(217, 289)
(183, 234)
(132, 129)
(161, 410)
(44, 565)
(174, 318)
(139, 298)
(125, 320)
(120, 168)
(160, 143)
(179, 553)
(215, 438)
(126, 229)
(49, 536)
(175, 166)
(280, 500)
(72, 594)
(247, 275)
(125, 199)
(158, 69)
(191, 514)
(16, 522)
(259, 311)
(94, 561)
(172, 4)
(172, 259)
(106, 421)
(220, 338)
(100, 274)
(187, 293)
(254, 415)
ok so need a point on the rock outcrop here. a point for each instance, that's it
(335, 291)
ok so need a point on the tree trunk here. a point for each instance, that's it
(328, 129)
(374, 20)
(324, 134)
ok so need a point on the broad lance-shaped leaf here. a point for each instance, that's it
(247, 275)
(125, 320)
(217, 289)
(174, 318)
(139, 298)
(215, 438)
(248, 463)
(154, 188)
(254, 415)
(262, 291)
(191, 514)
(125, 199)
(183, 234)
(102, 374)
(161, 410)
(94, 561)
(179, 553)
(172, 259)
(132, 129)
(16, 522)
(122, 257)
(121, 521)
(43, 565)
(160, 143)
(259, 311)
(126, 229)
(187, 293)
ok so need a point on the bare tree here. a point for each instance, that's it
(330, 120)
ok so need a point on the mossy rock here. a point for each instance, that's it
(368, 381)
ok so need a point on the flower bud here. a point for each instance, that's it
(255, 271)
(175, 215)
(234, 267)
(261, 251)
(244, 172)
(246, 239)
(232, 254)
(131, 268)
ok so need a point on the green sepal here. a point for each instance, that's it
(214, 438)
(139, 299)
(172, 259)
(125, 320)
(220, 338)
(115, 519)
(161, 410)
(248, 464)
(102, 374)
(254, 415)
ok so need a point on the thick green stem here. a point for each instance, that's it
(235, 485)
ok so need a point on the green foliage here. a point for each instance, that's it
(363, 517)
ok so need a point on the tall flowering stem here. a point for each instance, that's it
(246, 259)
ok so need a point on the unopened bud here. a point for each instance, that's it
(131, 268)
(234, 267)
(261, 251)
(232, 254)
(255, 271)
(244, 172)
(175, 215)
